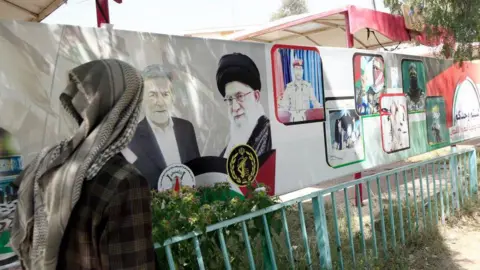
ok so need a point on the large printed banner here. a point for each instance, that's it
(219, 111)
(244, 113)
(306, 114)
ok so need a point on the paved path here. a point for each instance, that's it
(464, 244)
(456, 249)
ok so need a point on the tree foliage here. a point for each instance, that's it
(290, 7)
(461, 18)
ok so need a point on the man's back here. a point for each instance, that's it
(111, 224)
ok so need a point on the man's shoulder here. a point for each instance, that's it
(264, 121)
(306, 83)
(142, 126)
(118, 172)
(143, 129)
(290, 84)
(181, 122)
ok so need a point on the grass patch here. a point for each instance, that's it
(422, 246)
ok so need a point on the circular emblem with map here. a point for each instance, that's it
(242, 165)
(176, 176)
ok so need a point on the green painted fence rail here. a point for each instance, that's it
(400, 202)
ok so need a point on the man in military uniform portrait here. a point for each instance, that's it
(298, 95)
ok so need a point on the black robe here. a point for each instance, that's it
(261, 138)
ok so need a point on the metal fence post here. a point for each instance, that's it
(322, 232)
(357, 176)
(473, 172)
(321, 223)
(453, 174)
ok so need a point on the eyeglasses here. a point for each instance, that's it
(239, 97)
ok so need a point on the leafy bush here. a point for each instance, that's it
(193, 209)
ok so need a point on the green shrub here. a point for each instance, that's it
(193, 209)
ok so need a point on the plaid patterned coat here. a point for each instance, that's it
(111, 225)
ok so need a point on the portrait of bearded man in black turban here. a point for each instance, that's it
(415, 94)
(238, 81)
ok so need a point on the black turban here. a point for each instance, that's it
(237, 67)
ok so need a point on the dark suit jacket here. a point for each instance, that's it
(150, 161)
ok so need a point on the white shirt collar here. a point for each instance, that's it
(167, 142)
(156, 128)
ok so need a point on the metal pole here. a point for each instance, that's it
(358, 175)
(103, 14)
(453, 175)
(349, 35)
(350, 44)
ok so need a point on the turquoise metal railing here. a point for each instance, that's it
(401, 202)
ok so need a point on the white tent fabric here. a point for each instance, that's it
(28, 10)
(313, 29)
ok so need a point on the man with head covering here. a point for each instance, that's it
(415, 94)
(370, 86)
(238, 81)
(161, 139)
(81, 204)
(298, 95)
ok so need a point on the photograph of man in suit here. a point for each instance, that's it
(161, 139)
(238, 81)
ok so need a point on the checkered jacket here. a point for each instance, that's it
(111, 225)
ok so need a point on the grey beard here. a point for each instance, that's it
(241, 134)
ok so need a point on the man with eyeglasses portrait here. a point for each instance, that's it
(238, 81)
(161, 139)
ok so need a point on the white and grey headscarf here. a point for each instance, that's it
(104, 97)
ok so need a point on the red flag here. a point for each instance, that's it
(177, 184)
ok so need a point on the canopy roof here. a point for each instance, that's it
(28, 10)
(371, 30)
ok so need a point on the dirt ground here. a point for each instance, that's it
(457, 246)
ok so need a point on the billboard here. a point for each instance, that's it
(310, 114)
(214, 111)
